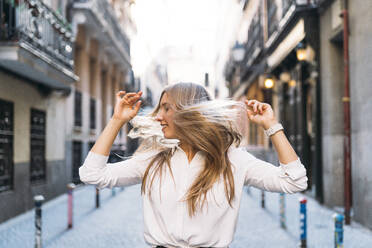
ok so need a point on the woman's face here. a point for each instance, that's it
(165, 117)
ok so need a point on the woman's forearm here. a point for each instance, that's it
(107, 137)
(285, 151)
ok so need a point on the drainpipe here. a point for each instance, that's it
(346, 101)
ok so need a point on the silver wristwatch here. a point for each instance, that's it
(273, 129)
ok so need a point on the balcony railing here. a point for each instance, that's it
(288, 9)
(255, 39)
(36, 26)
(105, 14)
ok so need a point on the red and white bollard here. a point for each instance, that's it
(70, 189)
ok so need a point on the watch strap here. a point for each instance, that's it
(273, 129)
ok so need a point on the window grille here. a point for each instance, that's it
(37, 161)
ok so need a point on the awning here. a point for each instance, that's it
(296, 35)
(33, 76)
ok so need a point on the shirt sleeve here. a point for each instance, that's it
(287, 178)
(95, 170)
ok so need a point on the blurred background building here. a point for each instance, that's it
(291, 53)
(62, 61)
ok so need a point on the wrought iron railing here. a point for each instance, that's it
(272, 20)
(255, 39)
(36, 26)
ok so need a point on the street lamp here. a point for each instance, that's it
(269, 83)
(301, 51)
(238, 52)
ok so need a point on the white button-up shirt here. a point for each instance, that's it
(166, 218)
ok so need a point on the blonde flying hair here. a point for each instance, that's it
(207, 126)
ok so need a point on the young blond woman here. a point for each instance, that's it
(191, 192)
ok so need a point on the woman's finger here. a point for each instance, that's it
(131, 94)
(251, 102)
(119, 94)
(133, 99)
(137, 106)
(250, 114)
(255, 105)
(260, 108)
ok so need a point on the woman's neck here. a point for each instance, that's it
(190, 152)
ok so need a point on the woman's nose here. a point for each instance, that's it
(158, 117)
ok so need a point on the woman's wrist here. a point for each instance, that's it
(267, 124)
(117, 121)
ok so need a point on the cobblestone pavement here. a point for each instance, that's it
(118, 223)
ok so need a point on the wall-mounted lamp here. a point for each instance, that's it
(238, 52)
(292, 83)
(269, 83)
(301, 52)
(285, 76)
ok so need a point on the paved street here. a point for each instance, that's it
(118, 223)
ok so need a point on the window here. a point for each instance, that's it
(92, 113)
(6, 145)
(77, 109)
(76, 160)
(37, 161)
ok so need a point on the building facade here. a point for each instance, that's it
(36, 74)
(102, 62)
(61, 64)
(332, 76)
(294, 53)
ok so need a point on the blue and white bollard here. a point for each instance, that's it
(282, 210)
(303, 225)
(339, 230)
(38, 202)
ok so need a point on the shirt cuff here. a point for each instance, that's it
(96, 160)
(294, 170)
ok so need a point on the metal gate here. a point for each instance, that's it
(38, 163)
(6, 145)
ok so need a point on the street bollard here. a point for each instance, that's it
(70, 189)
(282, 210)
(339, 230)
(303, 226)
(97, 198)
(38, 202)
(113, 193)
(262, 199)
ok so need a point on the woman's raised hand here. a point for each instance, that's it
(127, 105)
(260, 113)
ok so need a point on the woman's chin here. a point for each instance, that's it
(167, 136)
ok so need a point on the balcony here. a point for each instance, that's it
(36, 43)
(280, 13)
(254, 43)
(99, 15)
